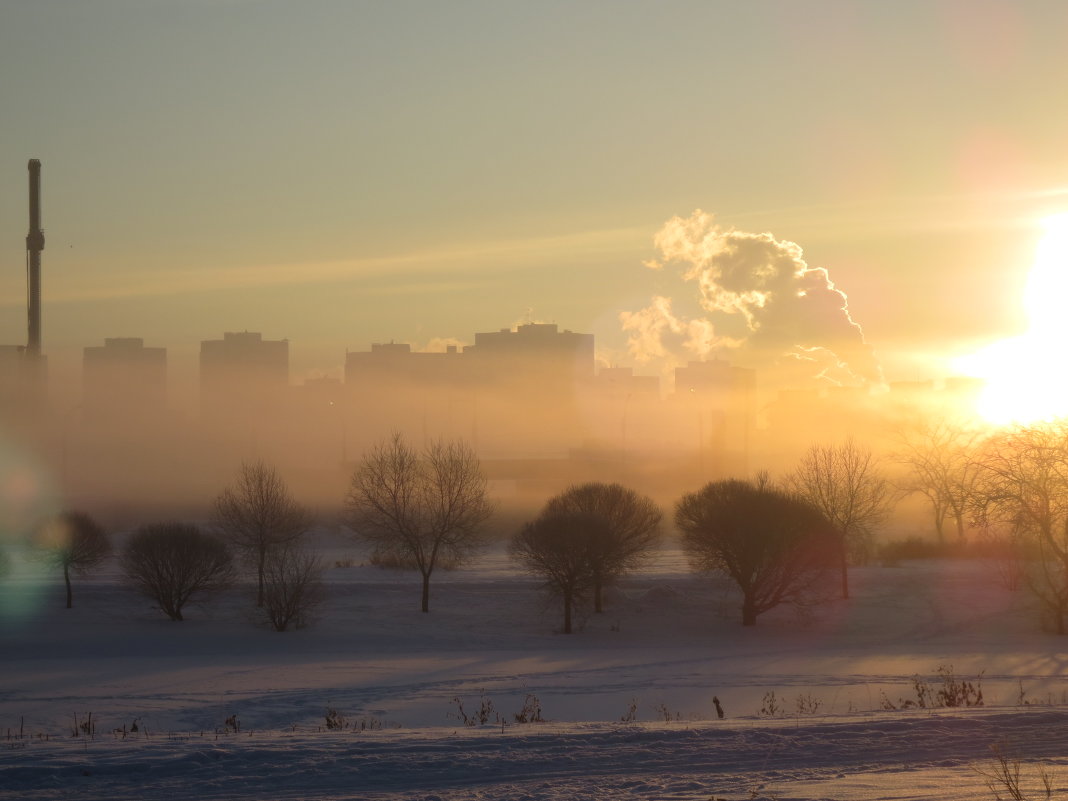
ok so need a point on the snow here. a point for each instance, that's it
(667, 643)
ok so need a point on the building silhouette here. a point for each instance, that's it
(512, 391)
(714, 406)
(124, 380)
(242, 375)
(533, 352)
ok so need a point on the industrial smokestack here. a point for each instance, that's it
(34, 246)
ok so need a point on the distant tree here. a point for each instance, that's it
(258, 514)
(844, 482)
(72, 542)
(1023, 488)
(419, 510)
(292, 586)
(563, 548)
(632, 522)
(774, 545)
(173, 562)
(943, 467)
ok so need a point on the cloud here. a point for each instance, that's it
(655, 332)
(440, 345)
(779, 313)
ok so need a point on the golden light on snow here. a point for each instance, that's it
(1025, 377)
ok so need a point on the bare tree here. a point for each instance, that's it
(73, 542)
(632, 522)
(941, 457)
(1024, 487)
(258, 514)
(292, 586)
(563, 548)
(172, 562)
(846, 485)
(774, 545)
(419, 510)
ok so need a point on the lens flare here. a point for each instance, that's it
(1025, 381)
(27, 496)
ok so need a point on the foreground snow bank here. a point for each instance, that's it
(920, 755)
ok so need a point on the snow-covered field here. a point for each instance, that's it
(627, 699)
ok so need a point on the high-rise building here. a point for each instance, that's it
(124, 381)
(537, 352)
(715, 409)
(512, 391)
(242, 373)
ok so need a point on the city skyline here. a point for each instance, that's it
(531, 401)
(422, 172)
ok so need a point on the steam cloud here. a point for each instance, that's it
(760, 306)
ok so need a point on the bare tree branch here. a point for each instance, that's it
(563, 547)
(292, 586)
(419, 510)
(632, 522)
(1023, 487)
(775, 546)
(941, 458)
(258, 514)
(72, 541)
(845, 484)
(172, 562)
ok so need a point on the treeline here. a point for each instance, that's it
(785, 541)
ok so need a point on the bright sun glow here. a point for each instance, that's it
(1025, 377)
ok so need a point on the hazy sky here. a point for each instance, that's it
(338, 173)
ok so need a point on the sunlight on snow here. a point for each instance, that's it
(1024, 379)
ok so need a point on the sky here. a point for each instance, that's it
(342, 173)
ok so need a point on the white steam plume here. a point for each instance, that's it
(779, 313)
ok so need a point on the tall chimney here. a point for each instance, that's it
(34, 246)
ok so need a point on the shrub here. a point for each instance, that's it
(480, 716)
(171, 563)
(291, 586)
(531, 711)
(953, 692)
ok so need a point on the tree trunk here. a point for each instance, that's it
(940, 527)
(845, 571)
(567, 613)
(597, 606)
(959, 520)
(259, 576)
(66, 578)
(749, 613)
(426, 592)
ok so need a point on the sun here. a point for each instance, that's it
(1025, 377)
